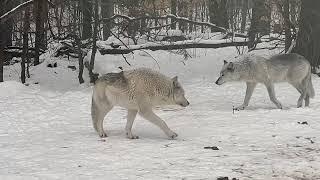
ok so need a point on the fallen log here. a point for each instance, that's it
(16, 51)
(107, 49)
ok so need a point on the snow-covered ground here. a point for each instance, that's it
(46, 130)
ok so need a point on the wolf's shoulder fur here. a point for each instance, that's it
(144, 74)
(114, 79)
(144, 79)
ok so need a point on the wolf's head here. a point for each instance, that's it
(227, 73)
(178, 93)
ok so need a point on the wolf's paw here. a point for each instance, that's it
(172, 135)
(102, 134)
(131, 136)
(242, 107)
(299, 104)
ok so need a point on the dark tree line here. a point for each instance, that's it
(32, 27)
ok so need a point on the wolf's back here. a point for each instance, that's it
(113, 79)
(147, 80)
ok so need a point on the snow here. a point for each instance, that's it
(46, 130)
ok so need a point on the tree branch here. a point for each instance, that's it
(107, 49)
(10, 13)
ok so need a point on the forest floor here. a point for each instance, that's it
(46, 130)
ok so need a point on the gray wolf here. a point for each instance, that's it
(137, 90)
(292, 68)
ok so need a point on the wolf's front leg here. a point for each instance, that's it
(130, 119)
(249, 91)
(148, 114)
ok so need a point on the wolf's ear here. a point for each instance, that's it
(230, 66)
(225, 62)
(175, 80)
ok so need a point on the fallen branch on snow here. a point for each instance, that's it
(107, 49)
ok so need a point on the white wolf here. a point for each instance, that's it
(291, 68)
(137, 90)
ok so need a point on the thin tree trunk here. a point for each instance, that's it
(40, 15)
(86, 8)
(244, 12)
(174, 12)
(81, 66)
(78, 41)
(2, 42)
(107, 10)
(203, 11)
(26, 26)
(260, 21)
(218, 14)
(190, 14)
(1, 53)
(286, 16)
(6, 29)
(94, 44)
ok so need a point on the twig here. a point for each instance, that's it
(125, 59)
(151, 57)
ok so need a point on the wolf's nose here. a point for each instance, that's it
(188, 103)
(217, 82)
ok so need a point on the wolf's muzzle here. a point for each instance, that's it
(185, 104)
(217, 82)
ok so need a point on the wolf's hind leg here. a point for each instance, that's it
(101, 116)
(98, 112)
(130, 119)
(303, 88)
(303, 95)
(147, 113)
(272, 95)
(249, 91)
(307, 100)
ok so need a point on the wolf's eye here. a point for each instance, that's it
(222, 74)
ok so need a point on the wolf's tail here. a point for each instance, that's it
(310, 89)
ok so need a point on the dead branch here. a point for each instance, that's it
(171, 46)
(18, 8)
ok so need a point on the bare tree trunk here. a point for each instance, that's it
(308, 40)
(2, 41)
(26, 26)
(40, 16)
(77, 40)
(286, 16)
(244, 12)
(5, 34)
(183, 12)
(174, 12)
(1, 52)
(81, 66)
(203, 11)
(93, 77)
(86, 8)
(107, 10)
(218, 14)
(190, 12)
(260, 21)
